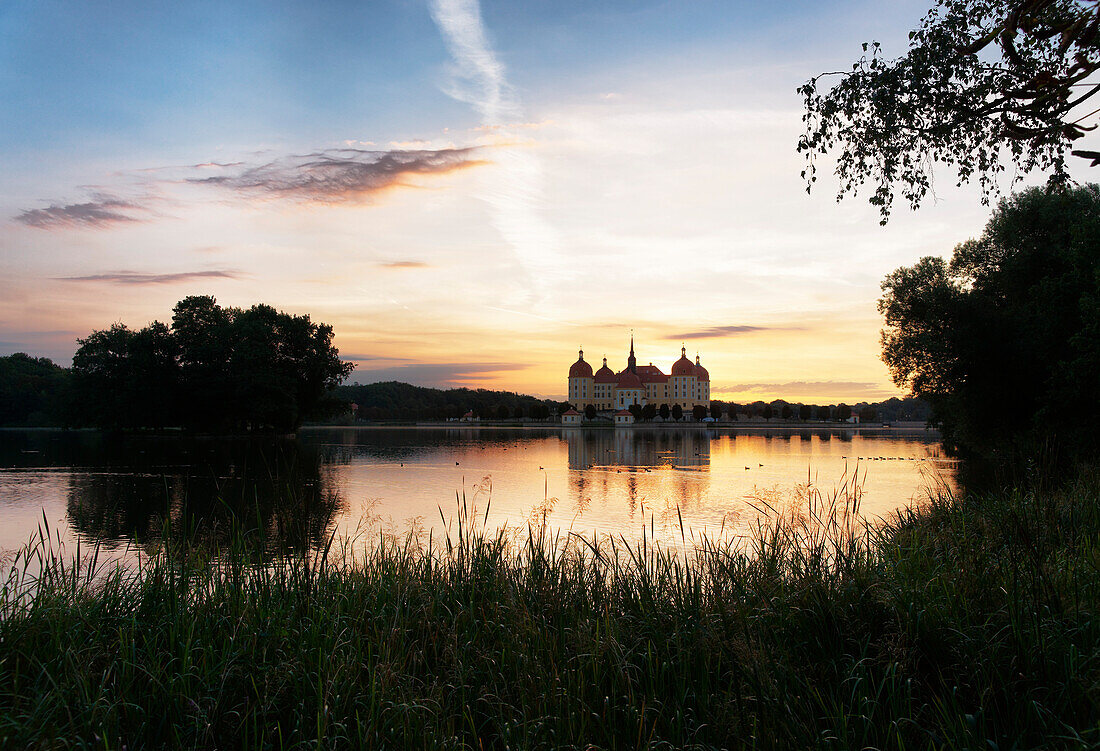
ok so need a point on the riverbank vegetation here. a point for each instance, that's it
(966, 623)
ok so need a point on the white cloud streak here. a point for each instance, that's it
(479, 79)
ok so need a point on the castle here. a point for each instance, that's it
(688, 385)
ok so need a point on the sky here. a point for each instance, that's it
(469, 192)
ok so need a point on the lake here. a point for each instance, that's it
(125, 492)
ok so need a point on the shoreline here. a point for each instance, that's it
(717, 427)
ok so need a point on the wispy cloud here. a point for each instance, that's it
(327, 176)
(478, 75)
(404, 265)
(101, 211)
(479, 79)
(135, 278)
(355, 357)
(438, 374)
(796, 389)
(340, 174)
(718, 331)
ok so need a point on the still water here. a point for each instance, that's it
(124, 493)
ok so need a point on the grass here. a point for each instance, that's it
(962, 624)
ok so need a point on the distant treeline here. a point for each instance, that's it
(34, 391)
(892, 410)
(393, 400)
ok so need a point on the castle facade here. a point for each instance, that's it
(688, 384)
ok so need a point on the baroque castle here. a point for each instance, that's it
(688, 385)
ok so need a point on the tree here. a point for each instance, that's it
(734, 409)
(102, 377)
(202, 331)
(786, 412)
(981, 80)
(823, 413)
(716, 410)
(214, 369)
(677, 412)
(804, 412)
(503, 413)
(1014, 318)
(636, 410)
(590, 412)
(698, 412)
(843, 411)
(767, 412)
(868, 414)
(664, 411)
(649, 411)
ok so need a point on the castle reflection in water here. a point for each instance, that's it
(669, 468)
(638, 449)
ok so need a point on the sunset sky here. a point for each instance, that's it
(467, 192)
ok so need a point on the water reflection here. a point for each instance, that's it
(290, 495)
(638, 449)
(138, 489)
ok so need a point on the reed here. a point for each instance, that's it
(962, 623)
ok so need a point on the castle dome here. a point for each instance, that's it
(605, 374)
(580, 369)
(683, 366)
(701, 373)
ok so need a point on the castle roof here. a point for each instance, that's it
(651, 374)
(683, 366)
(701, 373)
(605, 374)
(580, 369)
(628, 380)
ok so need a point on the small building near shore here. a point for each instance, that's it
(624, 417)
(571, 417)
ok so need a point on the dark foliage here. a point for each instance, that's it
(1004, 341)
(393, 400)
(964, 624)
(214, 369)
(33, 391)
(983, 79)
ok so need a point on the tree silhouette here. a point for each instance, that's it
(982, 82)
(1013, 318)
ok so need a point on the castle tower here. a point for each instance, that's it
(581, 385)
(702, 383)
(684, 384)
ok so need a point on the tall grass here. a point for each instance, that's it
(960, 624)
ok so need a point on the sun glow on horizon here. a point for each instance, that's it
(512, 199)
